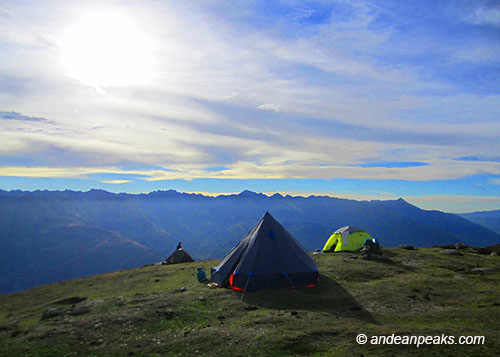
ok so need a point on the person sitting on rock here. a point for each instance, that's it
(179, 246)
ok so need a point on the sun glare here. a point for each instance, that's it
(107, 49)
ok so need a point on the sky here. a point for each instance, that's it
(354, 99)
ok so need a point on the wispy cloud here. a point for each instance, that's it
(18, 116)
(117, 182)
(485, 16)
(272, 170)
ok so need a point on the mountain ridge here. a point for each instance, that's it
(488, 219)
(208, 227)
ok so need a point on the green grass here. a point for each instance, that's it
(140, 312)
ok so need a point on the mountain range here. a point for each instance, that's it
(488, 219)
(49, 236)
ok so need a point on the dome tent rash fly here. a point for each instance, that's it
(347, 238)
(267, 257)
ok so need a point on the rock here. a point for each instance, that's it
(80, 311)
(93, 302)
(407, 247)
(495, 254)
(480, 270)
(250, 308)
(202, 298)
(294, 313)
(167, 314)
(52, 312)
(451, 252)
(355, 308)
(221, 317)
(460, 245)
(485, 251)
(157, 280)
(71, 300)
(446, 246)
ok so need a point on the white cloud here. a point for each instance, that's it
(116, 182)
(485, 16)
(271, 107)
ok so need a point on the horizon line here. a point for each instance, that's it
(267, 194)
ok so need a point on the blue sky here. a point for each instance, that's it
(362, 100)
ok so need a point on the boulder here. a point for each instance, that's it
(81, 310)
(407, 247)
(451, 252)
(71, 300)
(485, 251)
(52, 312)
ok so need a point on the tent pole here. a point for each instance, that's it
(244, 290)
(293, 287)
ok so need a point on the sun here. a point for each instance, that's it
(107, 49)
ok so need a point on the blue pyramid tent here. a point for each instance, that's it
(267, 257)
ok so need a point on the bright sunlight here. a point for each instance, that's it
(107, 49)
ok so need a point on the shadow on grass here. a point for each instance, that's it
(328, 296)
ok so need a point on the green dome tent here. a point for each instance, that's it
(347, 238)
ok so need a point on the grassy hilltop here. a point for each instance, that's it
(163, 310)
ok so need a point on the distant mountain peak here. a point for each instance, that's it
(250, 194)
